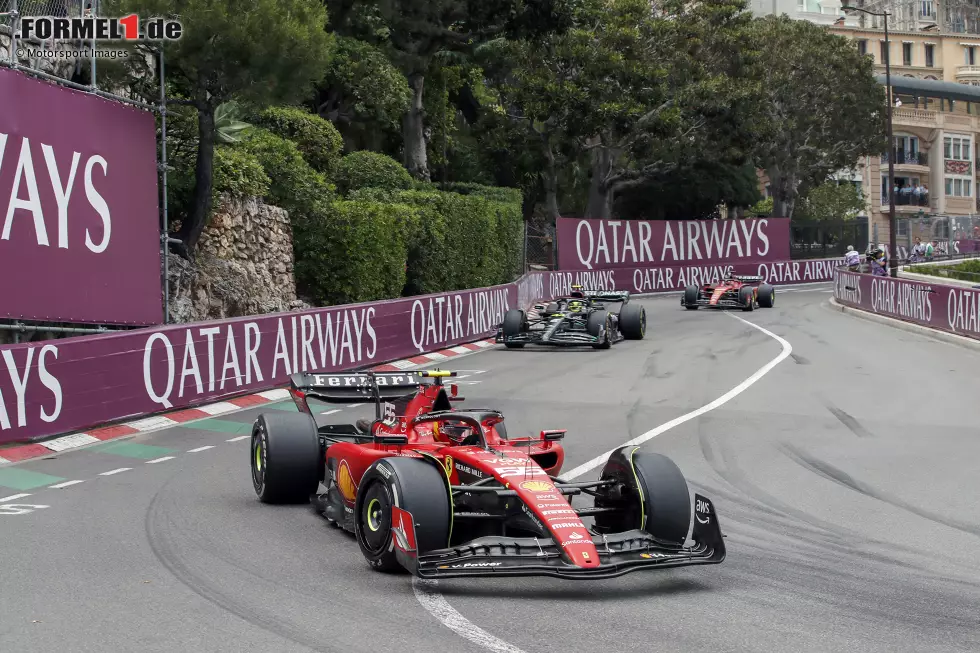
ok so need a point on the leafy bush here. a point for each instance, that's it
(461, 241)
(239, 173)
(965, 271)
(317, 139)
(494, 193)
(294, 185)
(365, 169)
(352, 251)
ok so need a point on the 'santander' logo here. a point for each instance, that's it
(126, 28)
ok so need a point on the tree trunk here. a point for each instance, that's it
(600, 195)
(784, 185)
(549, 179)
(193, 225)
(413, 131)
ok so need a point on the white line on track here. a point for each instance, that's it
(64, 485)
(330, 412)
(115, 471)
(210, 446)
(14, 497)
(240, 437)
(159, 460)
(427, 593)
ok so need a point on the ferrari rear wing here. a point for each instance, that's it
(747, 278)
(355, 387)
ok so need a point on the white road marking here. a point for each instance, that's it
(274, 395)
(70, 442)
(63, 485)
(240, 437)
(330, 412)
(14, 497)
(460, 349)
(586, 467)
(159, 460)
(152, 423)
(115, 471)
(3, 461)
(438, 607)
(210, 446)
(436, 356)
(354, 405)
(430, 598)
(219, 408)
(403, 365)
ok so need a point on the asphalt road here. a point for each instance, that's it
(845, 479)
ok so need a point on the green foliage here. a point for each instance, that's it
(494, 193)
(965, 271)
(363, 86)
(239, 173)
(462, 241)
(294, 185)
(691, 192)
(319, 141)
(371, 170)
(760, 209)
(228, 125)
(351, 252)
(831, 201)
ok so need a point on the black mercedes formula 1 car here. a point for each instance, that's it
(579, 319)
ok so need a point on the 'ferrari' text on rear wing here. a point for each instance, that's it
(355, 387)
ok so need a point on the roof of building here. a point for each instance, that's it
(932, 88)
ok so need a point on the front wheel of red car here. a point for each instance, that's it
(746, 298)
(691, 296)
(767, 296)
(414, 485)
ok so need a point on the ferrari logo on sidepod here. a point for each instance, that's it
(449, 465)
(345, 482)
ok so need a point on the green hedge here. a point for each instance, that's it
(317, 139)
(965, 271)
(294, 185)
(239, 173)
(461, 241)
(494, 193)
(353, 252)
(363, 169)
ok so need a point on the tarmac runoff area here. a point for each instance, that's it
(840, 454)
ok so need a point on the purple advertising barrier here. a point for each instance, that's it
(59, 386)
(79, 215)
(619, 244)
(677, 277)
(951, 309)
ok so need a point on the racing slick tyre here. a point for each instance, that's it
(287, 463)
(650, 494)
(598, 320)
(691, 296)
(746, 298)
(417, 486)
(767, 296)
(515, 323)
(633, 321)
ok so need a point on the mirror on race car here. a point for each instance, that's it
(552, 435)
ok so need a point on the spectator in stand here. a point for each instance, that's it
(925, 194)
(852, 259)
(930, 248)
(918, 251)
(906, 194)
(879, 262)
(917, 194)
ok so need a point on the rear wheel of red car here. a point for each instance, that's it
(412, 484)
(691, 296)
(598, 320)
(650, 494)
(286, 460)
(767, 296)
(746, 297)
(515, 323)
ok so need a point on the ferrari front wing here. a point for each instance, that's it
(728, 300)
(619, 553)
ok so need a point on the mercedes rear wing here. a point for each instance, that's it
(608, 295)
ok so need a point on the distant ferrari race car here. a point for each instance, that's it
(734, 291)
(445, 493)
(579, 319)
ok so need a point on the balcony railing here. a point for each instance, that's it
(906, 199)
(968, 71)
(908, 158)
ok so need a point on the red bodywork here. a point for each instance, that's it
(726, 287)
(522, 465)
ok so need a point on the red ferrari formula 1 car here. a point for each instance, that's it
(734, 291)
(445, 493)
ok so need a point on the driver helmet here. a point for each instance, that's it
(451, 431)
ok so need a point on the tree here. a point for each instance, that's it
(832, 200)
(272, 52)
(822, 107)
(415, 31)
(691, 192)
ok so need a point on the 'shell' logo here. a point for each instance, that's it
(537, 486)
(345, 482)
